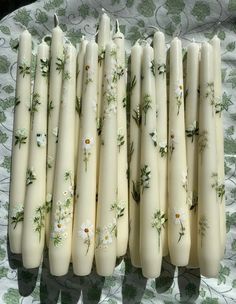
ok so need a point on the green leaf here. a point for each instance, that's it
(129, 3)
(6, 163)
(3, 137)
(74, 35)
(232, 6)
(232, 78)
(146, 8)
(8, 89)
(170, 29)
(221, 35)
(12, 296)
(110, 282)
(234, 283)
(3, 272)
(201, 10)
(7, 102)
(4, 64)
(230, 47)
(84, 10)
(233, 245)
(50, 5)
(41, 17)
(202, 293)
(22, 16)
(14, 43)
(223, 74)
(2, 116)
(230, 220)
(174, 6)
(5, 30)
(210, 301)
(176, 19)
(133, 34)
(61, 12)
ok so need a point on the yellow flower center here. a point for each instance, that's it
(59, 225)
(87, 67)
(177, 215)
(87, 141)
(86, 230)
(181, 87)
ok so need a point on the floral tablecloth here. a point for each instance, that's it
(195, 19)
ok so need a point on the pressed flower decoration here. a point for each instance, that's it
(219, 188)
(145, 176)
(60, 64)
(202, 141)
(152, 67)
(137, 116)
(202, 227)
(89, 74)
(55, 133)
(39, 220)
(17, 215)
(119, 208)
(163, 148)
(64, 212)
(24, 69)
(172, 142)
(30, 176)
(192, 130)
(153, 135)
(48, 203)
(179, 96)
(87, 144)
(158, 222)
(146, 105)
(210, 94)
(50, 161)
(161, 69)
(34, 105)
(193, 200)
(106, 234)
(120, 138)
(179, 218)
(20, 137)
(44, 66)
(86, 232)
(101, 56)
(41, 139)
(132, 84)
(136, 191)
(185, 181)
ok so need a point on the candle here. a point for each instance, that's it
(85, 207)
(33, 234)
(161, 100)
(79, 84)
(55, 81)
(152, 221)
(134, 150)
(191, 132)
(20, 142)
(122, 181)
(178, 212)
(106, 224)
(63, 191)
(208, 205)
(219, 139)
(103, 37)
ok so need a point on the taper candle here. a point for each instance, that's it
(63, 188)
(106, 224)
(55, 81)
(20, 142)
(152, 221)
(79, 86)
(159, 69)
(134, 153)
(191, 132)
(33, 235)
(220, 187)
(85, 207)
(209, 252)
(178, 209)
(122, 181)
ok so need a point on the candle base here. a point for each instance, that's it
(15, 241)
(31, 259)
(210, 268)
(105, 265)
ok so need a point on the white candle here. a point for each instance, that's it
(33, 234)
(79, 86)
(106, 224)
(208, 205)
(191, 132)
(178, 212)
(103, 37)
(20, 142)
(122, 181)
(63, 191)
(161, 100)
(152, 221)
(85, 207)
(55, 81)
(134, 150)
(219, 139)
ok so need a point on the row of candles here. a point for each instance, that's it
(70, 150)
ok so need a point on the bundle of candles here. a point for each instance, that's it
(79, 189)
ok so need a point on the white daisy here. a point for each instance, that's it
(22, 132)
(87, 142)
(59, 227)
(41, 139)
(179, 91)
(86, 230)
(106, 237)
(178, 215)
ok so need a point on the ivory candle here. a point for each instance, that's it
(85, 207)
(79, 85)
(178, 212)
(152, 221)
(55, 81)
(33, 235)
(134, 150)
(63, 191)
(209, 252)
(219, 139)
(122, 181)
(20, 142)
(191, 132)
(161, 101)
(106, 224)
(103, 37)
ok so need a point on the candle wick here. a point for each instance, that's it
(117, 26)
(56, 20)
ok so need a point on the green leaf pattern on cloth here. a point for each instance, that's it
(198, 19)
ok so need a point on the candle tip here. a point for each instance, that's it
(56, 20)
(117, 26)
